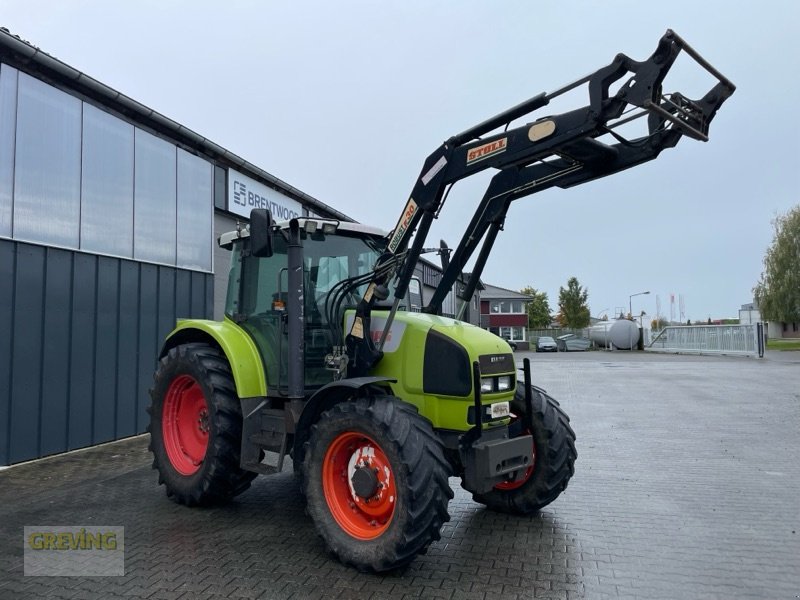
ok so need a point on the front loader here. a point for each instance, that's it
(321, 358)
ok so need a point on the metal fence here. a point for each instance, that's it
(743, 340)
(534, 334)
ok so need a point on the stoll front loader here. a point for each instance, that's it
(322, 357)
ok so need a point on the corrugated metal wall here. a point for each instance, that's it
(79, 337)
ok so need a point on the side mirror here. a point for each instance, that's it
(261, 232)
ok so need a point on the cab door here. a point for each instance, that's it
(260, 308)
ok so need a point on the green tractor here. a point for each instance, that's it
(329, 354)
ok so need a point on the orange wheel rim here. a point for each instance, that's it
(184, 425)
(359, 485)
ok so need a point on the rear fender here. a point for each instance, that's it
(326, 397)
(241, 352)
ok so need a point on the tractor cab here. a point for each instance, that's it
(333, 252)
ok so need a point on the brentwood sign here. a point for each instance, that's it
(245, 194)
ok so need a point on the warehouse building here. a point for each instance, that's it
(109, 212)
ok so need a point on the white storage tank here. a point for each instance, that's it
(622, 333)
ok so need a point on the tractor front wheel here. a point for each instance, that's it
(376, 482)
(554, 457)
(196, 427)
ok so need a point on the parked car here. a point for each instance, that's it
(572, 343)
(546, 344)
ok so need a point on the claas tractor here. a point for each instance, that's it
(329, 354)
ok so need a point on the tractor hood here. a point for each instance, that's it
(415, 324)
(431, 359)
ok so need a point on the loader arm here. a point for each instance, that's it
(556, 150)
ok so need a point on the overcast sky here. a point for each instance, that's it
(344, 100)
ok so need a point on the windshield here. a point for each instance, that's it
(332, 259)
(336, 269)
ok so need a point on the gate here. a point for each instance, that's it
(741, 340)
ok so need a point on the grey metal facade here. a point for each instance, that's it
(105, 238)
(80, 336)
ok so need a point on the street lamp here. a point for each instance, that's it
(630, 303)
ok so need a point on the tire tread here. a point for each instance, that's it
(220, 479)
(428, 493)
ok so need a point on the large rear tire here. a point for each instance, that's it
(375, 480)
(554, 456)
(196, 427)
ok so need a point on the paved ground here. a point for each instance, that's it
(686, 486)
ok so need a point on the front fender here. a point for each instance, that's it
(242, 354)
(322, 400)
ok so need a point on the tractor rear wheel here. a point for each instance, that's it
(196, 427)
(376, 482)
(554, 457)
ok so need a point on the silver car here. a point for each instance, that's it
(546, 344)
(572, 343)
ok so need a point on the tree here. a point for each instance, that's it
(573, 308)
(777, 292)
(659, 323)
(538, 308)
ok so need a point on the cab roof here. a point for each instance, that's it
(227, 239)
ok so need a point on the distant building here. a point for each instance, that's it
(749, 314)
(783, 329)
(505, 313)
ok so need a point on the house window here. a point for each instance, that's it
(516, 307)
(513, 334)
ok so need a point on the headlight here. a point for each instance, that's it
(486, 385)
(504, 383)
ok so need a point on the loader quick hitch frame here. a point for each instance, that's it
(561, 150)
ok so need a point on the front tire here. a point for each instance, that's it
(554, 457)
(375, 482)
(196, 427)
